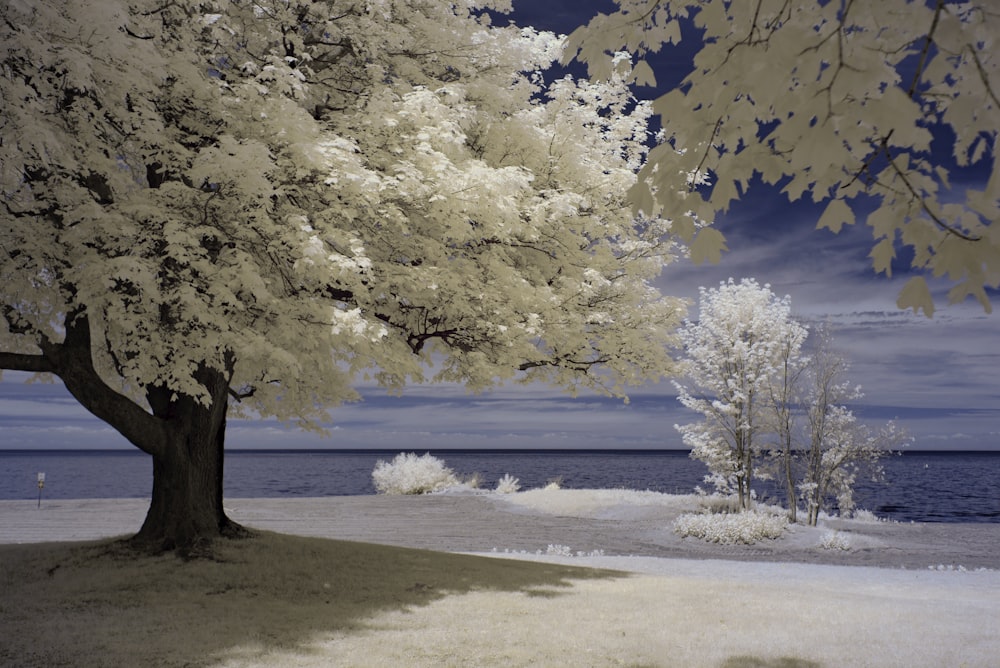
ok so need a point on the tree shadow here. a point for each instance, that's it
(757, 662)
(101, 603)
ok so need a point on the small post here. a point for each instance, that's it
(41, 484)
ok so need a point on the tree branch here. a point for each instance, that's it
(26, 362)
(73, 362)
(923, 203)
(984, 76)
(928, 40)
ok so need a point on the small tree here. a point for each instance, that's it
(734, 355)
(755, 389)
(839, 447)
(782, 401)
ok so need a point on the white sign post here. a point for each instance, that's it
(41, 484)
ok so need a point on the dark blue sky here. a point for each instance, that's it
(939, 377)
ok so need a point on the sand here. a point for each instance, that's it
(902, 595)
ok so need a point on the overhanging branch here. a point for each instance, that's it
(73, 362)
(26, 362)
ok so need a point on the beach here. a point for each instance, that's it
(567, 577)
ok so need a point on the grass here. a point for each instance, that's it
(99, 604)
(281, 601)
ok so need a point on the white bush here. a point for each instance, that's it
(508, 484)
(409, 474)
(554, 484)
(835, 540)
(559, 551)
(867, 516)
(729, 528)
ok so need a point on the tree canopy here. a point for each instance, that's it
(233, 206)
(874, 109)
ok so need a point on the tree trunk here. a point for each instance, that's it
(184, 435)
(790, 485)
(186, 509)
(746, 465)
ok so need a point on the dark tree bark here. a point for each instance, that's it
(186, 507)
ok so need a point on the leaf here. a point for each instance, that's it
(642, 74)
(884, 221)
(671, 33)
(708, 245)
(837, 214)
(882, 255)
(916, 295)
(684, 228)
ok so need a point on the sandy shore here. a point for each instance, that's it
(580, 520)
(913, 595)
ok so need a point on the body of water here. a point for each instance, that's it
(919, 486)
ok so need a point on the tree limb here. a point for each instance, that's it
(73, 362)
(26, 362)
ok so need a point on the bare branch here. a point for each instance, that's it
(928, 40)
(26, 362)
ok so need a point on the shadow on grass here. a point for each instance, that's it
(756, 662)
(99, 604)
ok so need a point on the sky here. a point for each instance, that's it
(938, 377)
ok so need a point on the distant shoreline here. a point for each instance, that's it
(460, 451)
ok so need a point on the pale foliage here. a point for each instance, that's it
(761, 396)
(295, 193)
(837, 101)
(508, 484)
(866, 516)
(746, 527)
(733, 354)
(835, 540)
(838, 449)
(409, 473)
(559, 551)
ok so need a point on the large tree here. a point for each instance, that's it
(234, 207)
(874, 108)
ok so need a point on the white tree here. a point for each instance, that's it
(734, 354)
(840, 101)
(761, 395)
(232, 206)
(783, 401)
(838, 448)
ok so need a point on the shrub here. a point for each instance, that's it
(746, 527)
(834, 540)
(409, 474)
(559, 551)
(866, 516)
(508, 484)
